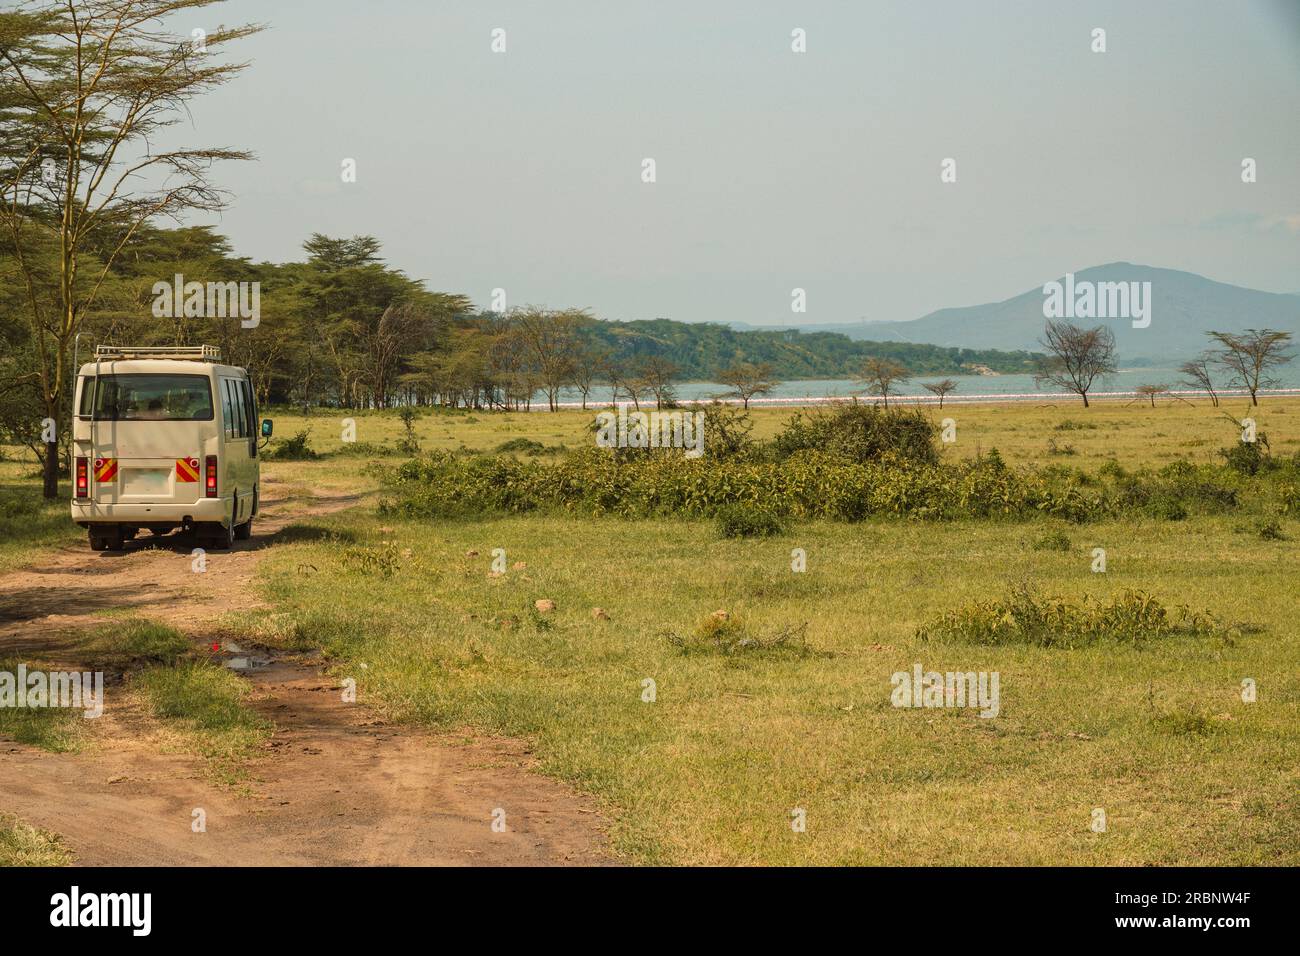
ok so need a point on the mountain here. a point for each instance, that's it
(1184, 306)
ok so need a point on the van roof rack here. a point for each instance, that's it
(180, 353)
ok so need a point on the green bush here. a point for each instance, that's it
(747, 520)
(1024, 617)
(292, 449)
(1056, 540)
(1248, 458)
(524, 445)
(860, 433)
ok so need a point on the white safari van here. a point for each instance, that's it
(164, 438)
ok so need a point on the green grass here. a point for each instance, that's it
(24, 845)
(710, 771)
(205, 703)
(134, 642)
(1108, 431)
(56, 729)
(30, 525)
(740, 734)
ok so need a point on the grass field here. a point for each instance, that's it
(1158, 737)
(733, 745)
(1131, 435)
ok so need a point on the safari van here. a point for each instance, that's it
(164, 438)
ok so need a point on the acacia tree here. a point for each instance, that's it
(1078, 357)
(1248, 357)
(550, 340)
(881, 375)
(656, 375)
(748, 380)
(89, 85)
(1150, 392)
(588, 366)
(1196, 373)
(940, 388)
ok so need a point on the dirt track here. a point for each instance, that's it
(335, 786)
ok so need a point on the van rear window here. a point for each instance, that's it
(147, 397)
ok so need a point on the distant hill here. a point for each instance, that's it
(1184, 307)
(701, 349)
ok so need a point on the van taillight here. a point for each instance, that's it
(210, 481)
(83, 478)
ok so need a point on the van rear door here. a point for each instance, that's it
(147, 432)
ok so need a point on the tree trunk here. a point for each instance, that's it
(1085, 399)
(51, 470)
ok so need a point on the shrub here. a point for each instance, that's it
(524, 445)
(366, 449)
(292, 449)
(808, 484)
(860, 433)
(1053, 541)
(1024, 617)
(410, 444)
(1271, 530)
(1248, 458)
(745, 520)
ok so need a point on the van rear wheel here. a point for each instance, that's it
(222, 537)
(106, 537)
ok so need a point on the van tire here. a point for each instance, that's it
(222, 537)
(109, 538)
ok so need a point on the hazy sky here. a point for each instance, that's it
(775, 170)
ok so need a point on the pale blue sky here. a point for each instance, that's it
(775, 169)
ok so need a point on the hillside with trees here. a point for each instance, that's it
(344, 328)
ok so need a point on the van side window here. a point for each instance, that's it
(250, 412)
(87, 395)
(228, 410)
(236, 396)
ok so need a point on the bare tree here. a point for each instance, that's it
(940, 388)
(1151, 391)
(882, 375)
(1196, 373)
(1248, 357)
(89, 86)
(748, 379)
(1078, 357)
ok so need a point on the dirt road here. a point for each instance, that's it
(335, 785)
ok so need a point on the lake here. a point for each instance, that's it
(970, 388)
